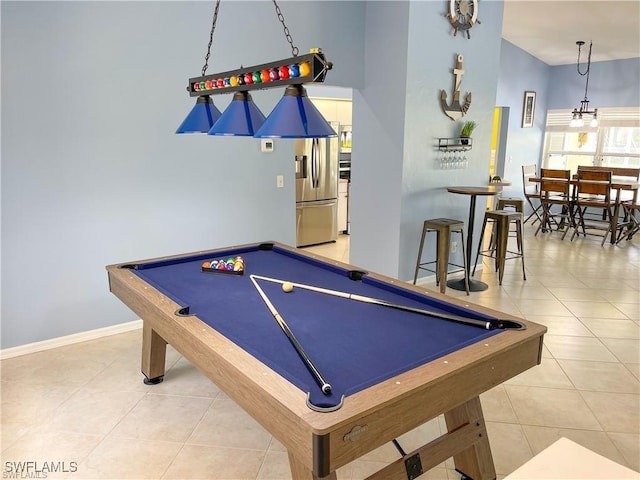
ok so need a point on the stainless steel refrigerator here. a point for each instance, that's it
(316, 190)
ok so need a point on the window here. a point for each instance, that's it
(620, 146)
(615, 142)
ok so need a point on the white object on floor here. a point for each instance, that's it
(566, 460)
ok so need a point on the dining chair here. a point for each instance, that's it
(594, 204)
(531, 192)
(631, 224)
(627, 199)
(622, 196)
(555, 191)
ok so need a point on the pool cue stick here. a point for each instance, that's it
(486, 324)
(324, 385)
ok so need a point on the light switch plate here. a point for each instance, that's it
(266, 145)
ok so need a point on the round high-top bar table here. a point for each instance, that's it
(473, 192)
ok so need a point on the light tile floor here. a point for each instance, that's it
(85, 404)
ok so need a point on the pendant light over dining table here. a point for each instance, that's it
(294, 116)
(577, 114)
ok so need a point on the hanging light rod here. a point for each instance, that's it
(577, 114)
(309, 68)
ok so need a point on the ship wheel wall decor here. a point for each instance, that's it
(463, 14)
(454, 110)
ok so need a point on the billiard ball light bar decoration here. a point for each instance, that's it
(308, 68)
(294, 116)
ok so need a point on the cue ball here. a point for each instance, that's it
(287, 287)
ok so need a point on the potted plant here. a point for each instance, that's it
(466, 131)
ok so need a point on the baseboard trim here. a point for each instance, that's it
(429, 278)
(422, 281)
(69, 339)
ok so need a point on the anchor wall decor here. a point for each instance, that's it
(456, 111)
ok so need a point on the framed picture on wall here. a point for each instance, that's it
(528, 109)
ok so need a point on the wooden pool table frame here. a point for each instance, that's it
(320, 443)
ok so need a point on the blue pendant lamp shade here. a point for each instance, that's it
(241, 118)
(201, 117)
(295, 116)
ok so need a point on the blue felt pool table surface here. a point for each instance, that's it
(355, 345)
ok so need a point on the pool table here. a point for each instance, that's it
(395, 355)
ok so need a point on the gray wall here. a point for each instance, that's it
(378, 129)
(524, 145)
(615, 83)
(92, 172)
(396, 182)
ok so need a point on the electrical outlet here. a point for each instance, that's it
(280, 181)
(454, 247)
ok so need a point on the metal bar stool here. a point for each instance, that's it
(502, 220)
(443, 227)
(508, 203)
(516, 203)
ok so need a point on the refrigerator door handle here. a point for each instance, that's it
(312, 161)
(318, 204)
(315, 163)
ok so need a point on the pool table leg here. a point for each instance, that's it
(475, 462)
(300, 472)
(154, 350)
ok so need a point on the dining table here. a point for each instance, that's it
(473, 192)
(619, 184)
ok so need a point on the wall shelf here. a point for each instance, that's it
(455, 144)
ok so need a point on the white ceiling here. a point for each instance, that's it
(549, 29)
